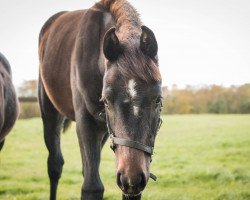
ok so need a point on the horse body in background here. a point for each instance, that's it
(99, 67)
(8, 100)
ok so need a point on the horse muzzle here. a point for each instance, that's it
(131, 185)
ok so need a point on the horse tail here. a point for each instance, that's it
(66, 124)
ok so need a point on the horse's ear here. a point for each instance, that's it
(148, 41)
(111, 45)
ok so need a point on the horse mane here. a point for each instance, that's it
(123, 12)
(132, 62)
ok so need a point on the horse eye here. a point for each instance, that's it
(158, 101)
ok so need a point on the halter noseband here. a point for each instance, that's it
(130, 143)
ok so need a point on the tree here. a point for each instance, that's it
(208, 99)
(28, 89)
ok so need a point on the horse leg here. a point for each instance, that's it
(52, 123)
(1, 145)
(90, 140)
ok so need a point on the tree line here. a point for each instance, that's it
(208, 99)
(190, 100)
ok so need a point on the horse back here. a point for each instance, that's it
(57, 40)
(70, 58)
(5, 63)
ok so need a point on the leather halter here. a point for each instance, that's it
(130, 143)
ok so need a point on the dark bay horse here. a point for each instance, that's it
(8, 101)
(99, 67)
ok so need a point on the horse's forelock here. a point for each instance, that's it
(134, 64)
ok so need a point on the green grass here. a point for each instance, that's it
(196, 157)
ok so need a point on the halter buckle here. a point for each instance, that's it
(153, 177)
(112, 143)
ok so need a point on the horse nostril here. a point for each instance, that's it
(143, 180)
(131, 185)
(118, 179)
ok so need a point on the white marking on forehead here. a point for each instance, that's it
(131, 88)
(136, 110)
(126, 101)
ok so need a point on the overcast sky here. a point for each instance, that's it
(200, 41)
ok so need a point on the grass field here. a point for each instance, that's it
(196, 157)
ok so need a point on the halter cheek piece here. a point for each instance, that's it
(130, 143)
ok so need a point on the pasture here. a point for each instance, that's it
(201, 157)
